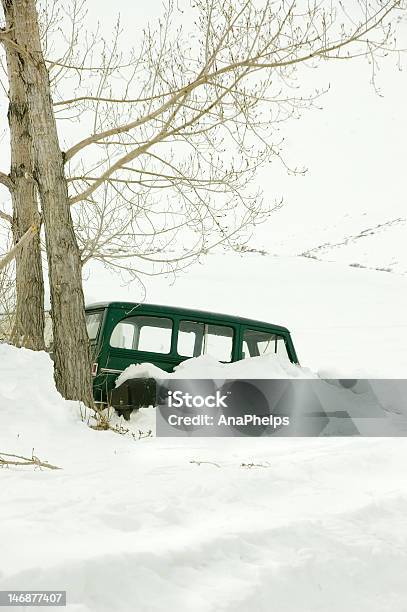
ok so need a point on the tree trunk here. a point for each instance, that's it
(72, 368)
(28, 329)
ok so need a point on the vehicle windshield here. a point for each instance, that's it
(93, 320)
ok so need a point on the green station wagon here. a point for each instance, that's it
(123, 333)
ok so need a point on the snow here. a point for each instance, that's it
(206, 366)
(314, 524)
(200, 524)
(141, 370)
(345, 322)
(134, 522)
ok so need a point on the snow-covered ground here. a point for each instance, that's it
(212, 524)
(224, 524)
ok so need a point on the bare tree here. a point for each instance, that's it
(172, 135)
(71, 344)
(177, 130)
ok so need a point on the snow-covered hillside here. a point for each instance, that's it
(374, 240)
(378, 246)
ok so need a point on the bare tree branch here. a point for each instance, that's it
(123, 128)
(6, 181)
(255, 62)
(6, 39)
(6, 217)
(33, 460)
(29, 234)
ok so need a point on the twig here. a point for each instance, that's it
(208, 462)
(123, 431)
(252, 465)
(26, 461)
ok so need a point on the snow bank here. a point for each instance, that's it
(30, 405)
(194, 524)
(205, 366)
(33, 415)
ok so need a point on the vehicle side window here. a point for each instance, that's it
(143, 333)
(196, 339)
(256, 343)
(93, 320)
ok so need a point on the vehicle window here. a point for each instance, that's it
(143, 333)
(196, 339)
(93, 320)
(256, 343)
(245, 350)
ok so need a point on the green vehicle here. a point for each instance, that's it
(123, 333)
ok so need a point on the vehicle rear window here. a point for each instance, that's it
(143, 333)
(195, 338)
(256, 343)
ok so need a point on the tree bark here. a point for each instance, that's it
(72, 361)
(28, 328)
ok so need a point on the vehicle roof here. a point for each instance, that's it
(183, 311)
